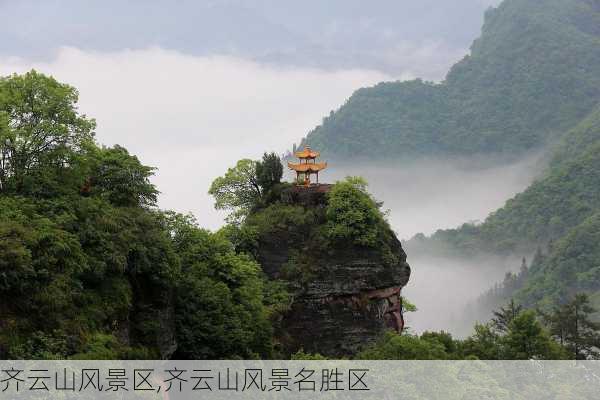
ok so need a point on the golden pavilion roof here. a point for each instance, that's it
(307, 153)
(307, 167)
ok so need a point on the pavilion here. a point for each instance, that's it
(307, 166)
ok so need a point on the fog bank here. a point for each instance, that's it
(441, 288)
(428, 195)
(193, 117)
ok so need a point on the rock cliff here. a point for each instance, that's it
(344, 294)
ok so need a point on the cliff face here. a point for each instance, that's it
(344, 295)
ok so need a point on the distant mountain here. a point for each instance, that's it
(394, 37)
(531, 76)
(557, 217)
(571, 265)
(563, 198)
(532, 81)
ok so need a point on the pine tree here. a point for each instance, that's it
(526, 339)
(582, 335)
(524, 269)
(504, 316)
(556, 322)
(571, 325)
(269, 171)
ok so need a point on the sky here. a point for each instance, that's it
(193, 86)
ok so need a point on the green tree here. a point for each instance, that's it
(504, 316)
(573, 325)
(121, 178)
(352, 214)
(301, 355)
(41, 131)
(219, 304)
(484, 344)
(444, 338)
(392, 346)
(526, 339)
(269, 171)
(238, 191)
(557, 323)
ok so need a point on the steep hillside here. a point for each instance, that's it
(533, 74)
(557, 216)
(564, 197)
(342, 263)
(572, 265)
(578, 140)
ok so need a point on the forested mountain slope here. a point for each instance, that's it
(564, 197)
(572, 265)
(558, 215)
(531, 76)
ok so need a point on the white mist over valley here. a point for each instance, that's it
(200, 108)
(189, 121)
(428, 195)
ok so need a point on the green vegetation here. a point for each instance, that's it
(242, 188)
(530, 81)
(571, 265)
(572, 326)
(353, 215)
(90, 268)
(546, 211)
(269, 171)
(348, 218)
(220, 311)
(532, 75)
(514, 334)
(558, 217)
(238, 190)
(524, 339)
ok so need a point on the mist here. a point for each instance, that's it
(424, 37)
(193, 117)
(443, 288)
(427, 195)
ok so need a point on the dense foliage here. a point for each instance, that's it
(570, 265)
(353, 215)
(89, 268)
(246, 186)
(238, 190)
(514, 333)
(557, 217)
(533, 73)
(220, 311)
(349, 219)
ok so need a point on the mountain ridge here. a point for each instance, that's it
(533, 73)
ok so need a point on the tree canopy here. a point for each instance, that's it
(41, 131)
(243, 187)
(353, 214)
(90, 268)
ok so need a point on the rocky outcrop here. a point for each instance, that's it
(348, 294)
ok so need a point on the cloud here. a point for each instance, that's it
(443, 288)
(430, 194)
(193, 117)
